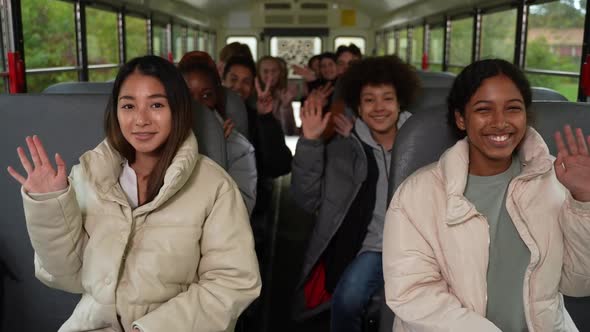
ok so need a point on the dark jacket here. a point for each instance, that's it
(326, 179)
(273, 157)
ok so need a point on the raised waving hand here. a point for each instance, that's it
(307, 73)
(41, 176)
(343, 125)
(323, 93)
(313, 123)
(264, 103)
(572, 166)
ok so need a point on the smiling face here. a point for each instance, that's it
(379, 108)
(328, 69)
(270, 72)
(495, 121)
(240, 80)
(143, 113)
(201, 88)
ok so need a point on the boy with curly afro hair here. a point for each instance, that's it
(344, 181)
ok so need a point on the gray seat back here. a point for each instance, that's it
(419, 142)
(551, 116)
(431, 79)
(547, 94)
(429, 97)
(68, 125)
(209, 133)
(81, 88)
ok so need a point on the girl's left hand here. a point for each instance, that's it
(572, 165)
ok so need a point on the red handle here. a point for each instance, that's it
(16, 73)
(586, 76)
(424, 61)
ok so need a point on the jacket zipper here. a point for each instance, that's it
(528, 277)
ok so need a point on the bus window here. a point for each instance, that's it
(135, 37)
(380, 46)
(295, 50)
(211, 48)
(498, 33)
(417, 45)
(358, 41)
(159, 41)
(390, 42)
(403, 44)
(178, 38)
(436, 49)
(191, 38)
(461, 42)
(50, 41)
(252, 43)
(201, 41)
(103, 44)
(554, 42)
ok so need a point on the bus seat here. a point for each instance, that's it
(236, 111)
(68, 125)
(551, 116)
(431, 79)
(81, 88)
(540, 94)
(209, 133)
(419, 142)
(429, 97)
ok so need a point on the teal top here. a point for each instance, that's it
(508, 255)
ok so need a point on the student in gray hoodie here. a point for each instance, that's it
(344, 181)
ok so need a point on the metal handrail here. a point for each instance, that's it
(552, 72)
(104, 66)
(52, 70)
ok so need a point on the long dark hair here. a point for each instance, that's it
(179, 99)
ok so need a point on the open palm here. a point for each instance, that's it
(313, 123)
(41, 176)
(572, 166)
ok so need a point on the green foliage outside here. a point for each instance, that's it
(50, 41)
(159, 39)
(498, 35)
(103, 43)
(402, 52)
(417, 42)
(435, 52)
(136, 37)
(555, 15)
(178, 47)
(461, 41)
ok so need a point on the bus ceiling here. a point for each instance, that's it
(384, 13)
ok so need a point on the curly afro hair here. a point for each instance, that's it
(382, 70)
